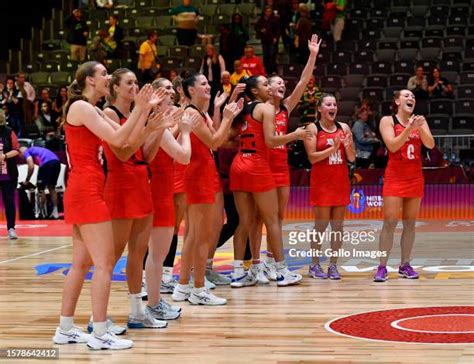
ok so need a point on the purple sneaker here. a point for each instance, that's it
(333, 273)
(406, 271)
(315, 271)
(381, 275)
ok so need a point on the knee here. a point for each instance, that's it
(82, 267)
(390, 225)
(409, 224)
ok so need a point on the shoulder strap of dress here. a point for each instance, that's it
(117, 111)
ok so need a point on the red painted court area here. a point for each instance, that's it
(440, 325)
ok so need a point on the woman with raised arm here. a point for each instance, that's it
(203, 192)
(329, 150)
(252, 182)
(404, 134)
(84, 203)
(278, 158)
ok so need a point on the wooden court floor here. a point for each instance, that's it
(263, 324)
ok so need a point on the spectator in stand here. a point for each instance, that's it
(60, 101)
(27, 97)
(268, 31)
(44, 97)
(251, 63)
(186, 18)
(173, 75)
(114, 37)
(365, 139)
(283, 9)
(104, 4)
(309, 101)
(147, 58)
(99, 50)
(439, 87)
(340, 19)
(212, 66)
(226, 45)
(8, 172)
(78, 31)
(239, 36)
(418, 84)
(226, 86)
(13, 105)
(295, 15)
(46, 122)
(239, 73)
(303, 34)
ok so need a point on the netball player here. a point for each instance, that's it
(279, 156)
(203, 192)
(85, 207)
(253, 184)
(329, 150)
(404, 134)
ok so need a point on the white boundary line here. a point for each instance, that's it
(395, 324)
(34, 254)
(327, 326)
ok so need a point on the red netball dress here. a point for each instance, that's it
(279, 155)
(178, 177)
(403, 175)
(329, 184)
(84, 197)
(162, 189)
(201, 181)
(250, 170)
(127, 187)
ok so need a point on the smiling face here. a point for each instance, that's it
(328, 109)
(100, 80)
(277, 87)
(436, 73)
(406, 102)
(420, 72)
(170, 93)
(127, 87)
(201, 88)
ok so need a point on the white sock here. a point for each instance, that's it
(183, 287)
(239, 267)
(269, 259)
(199, 290)
(136, 305)
(143, 274)
(55, 210)
(209, 264)
(66, 322)
(168, 270)
(100, 328)
(281, 266)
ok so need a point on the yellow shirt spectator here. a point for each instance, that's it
(148, 52)
(235, 77)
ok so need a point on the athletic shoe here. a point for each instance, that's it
(243, 280)
(108, 341)
(181, 294)
(287, 278)
(270, 271)
(72, 336)
(407, 271)
(169, 306)
(143, 293)
(161, 312)
(12, 234)
(205, 298)
(217, 278)
(381, 274)
(168, 287)
(257, 270)
(114, 329)
(207, 284)
(316, 271)
(333, 273)
(147, 321)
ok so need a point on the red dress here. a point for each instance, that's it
(329, 184)
(279, 155)
(201, 181)
(250, 170)
(84, 197)
(162, 189)
(403, 175)
(127, 187)
(178, 177)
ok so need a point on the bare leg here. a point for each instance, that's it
(411, 206)
(337, 222)
(391, 211)
(322, 215)
(137, 246)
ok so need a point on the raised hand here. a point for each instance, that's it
(302, 133)
(233, 109)
(314, 43)
(158, 96)
(337, 143)
(188, 122)
(220, 99)
(347, 140)
(237, 91)
(143, 96)
(419, 121)
(159, 121)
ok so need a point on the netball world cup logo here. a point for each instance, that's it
(357, 204)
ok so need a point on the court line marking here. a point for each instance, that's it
(395, 324)
(34, 254)
(327, 326)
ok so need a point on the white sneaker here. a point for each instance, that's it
(12, 234)
(217, 278)
(270, 270)
(168, 286)
(205, 298)
(243, 280)
(144, 293)
(147, 321)
(169, 306)
(208, 284)
(257, 270)
(73, 336)
(114, 329)
(181, 293)
(161, 312)
(108, 341)
(287, 278)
